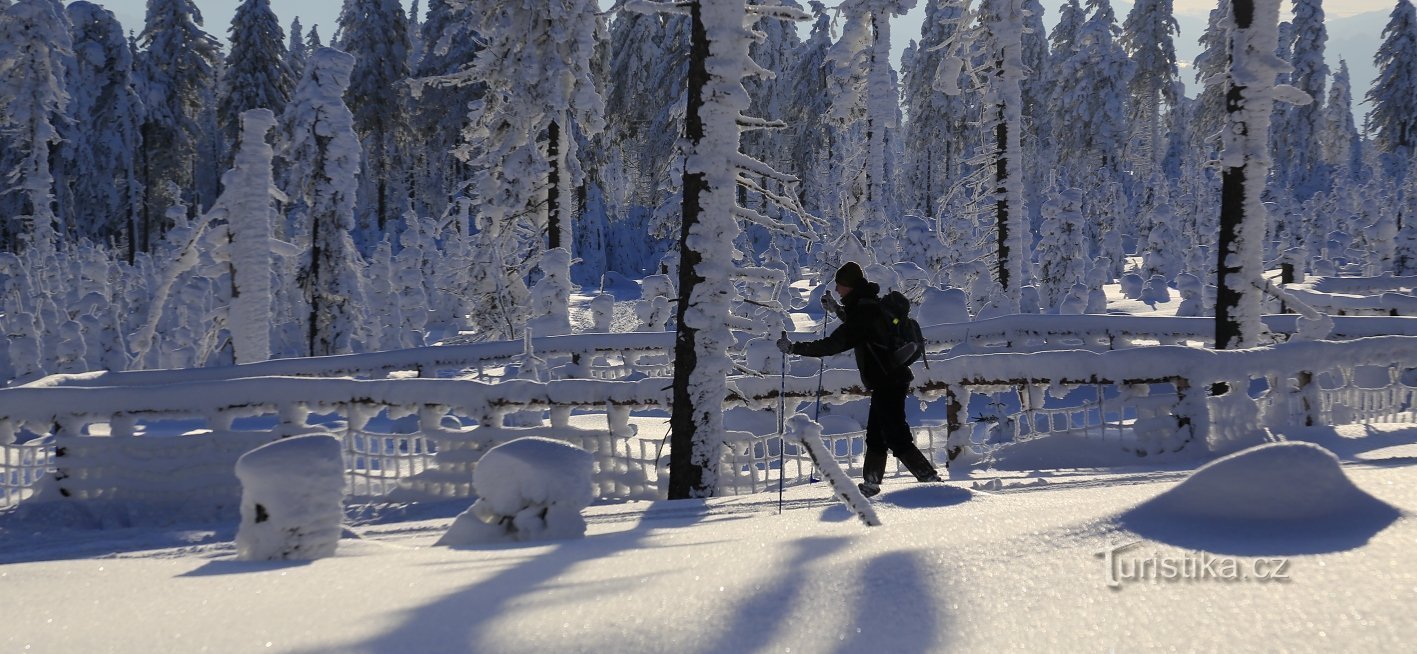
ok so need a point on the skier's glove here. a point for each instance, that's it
(830, 304)
(785, 345)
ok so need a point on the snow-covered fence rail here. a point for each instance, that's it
(417, 438)
(1038, 332)
(618, 355)
(1364, 285)
(581, 352)
(1341, 304)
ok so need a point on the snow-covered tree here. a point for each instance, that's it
(1209, 114)
(1037, 114)
(1301, 163)
(1148, 37)
(375, 32)
(257, 74)
(1342, 144)
(934, 148)
(102, 143)
(865, 95)
(248, 203)
(815, 142)
(1063, 40)
(1061, 255)
(1393, 119)
(994, 43)
(1091, 127)
(1250, 95)
(714, 169)
(439, 112)
(34, 43)
(323, 152)
(551, 92)
(296, 50)
(178, 69)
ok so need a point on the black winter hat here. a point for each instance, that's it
(849, 274)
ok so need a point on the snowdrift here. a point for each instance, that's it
(529, 489)
(1274, 499)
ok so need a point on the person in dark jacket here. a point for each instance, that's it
(863, 328)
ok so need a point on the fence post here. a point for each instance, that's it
(1304, 380)
(953, 422)
(1192, 413)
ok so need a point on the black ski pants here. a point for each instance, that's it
(887, 430)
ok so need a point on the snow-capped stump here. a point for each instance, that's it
(1278, 498)
(292, 493)
(529, 489)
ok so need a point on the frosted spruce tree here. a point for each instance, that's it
(257, 74)
(323, 152)
(1063, 40)
(864, 95)
(1148, 35)
(296, 51)
(990, 53)
(644, 111)
(934, 150)
(178, 69)
(103, 142)
(1210, 67)
(714, 169)
(1037, 114)
(1301, 164)
(34, 43)
(814, 140)
(552, 94)
(1393, 119)
(375, 32)
(1061, 255)
(1342, 144)
(439, 112)
(1091, 126)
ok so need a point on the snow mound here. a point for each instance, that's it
(528, 489)
(1278, 498)
(292, 494)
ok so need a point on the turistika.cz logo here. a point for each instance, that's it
(1123, 566)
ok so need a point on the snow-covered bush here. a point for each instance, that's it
(1131, 284)
(602, 311)
(551, 295)
(1192, 296)
(943, 306)
(529, 489)
(292, 495)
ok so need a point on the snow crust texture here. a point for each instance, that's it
(292, 499)
(529, 489)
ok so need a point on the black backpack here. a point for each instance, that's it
(906, 343)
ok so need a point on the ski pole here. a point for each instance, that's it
(782, 431)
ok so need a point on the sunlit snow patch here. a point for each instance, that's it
(1279, 498)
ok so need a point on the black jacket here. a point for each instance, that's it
(863, 328)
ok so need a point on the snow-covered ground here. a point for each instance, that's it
(1021, 565)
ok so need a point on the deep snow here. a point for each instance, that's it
(950, 569)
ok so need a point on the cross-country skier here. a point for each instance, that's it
(863, 325)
